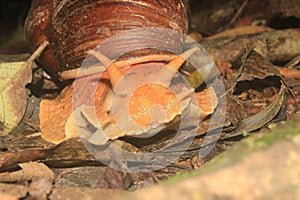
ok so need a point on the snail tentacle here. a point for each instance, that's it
(177, 62)
(95, 69)
(113, 71)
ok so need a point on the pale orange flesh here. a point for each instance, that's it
(56, 115)
(146, 97)
(207, 102)
(53, 116)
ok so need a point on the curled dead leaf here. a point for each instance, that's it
(29, 171)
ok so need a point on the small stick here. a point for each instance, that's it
(239, 12)
(38, 51)
(289, 73)
(293, 62)
(33, 135)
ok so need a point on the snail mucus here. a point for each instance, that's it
(115, 39)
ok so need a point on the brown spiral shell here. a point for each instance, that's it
(72, 27)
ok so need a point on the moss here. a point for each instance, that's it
(255, 142)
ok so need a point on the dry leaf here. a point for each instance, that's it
(263, 117)
(7, 197)
(259, 107)
(13, 96)
(28, 172)
(40, 188)
(58, 156)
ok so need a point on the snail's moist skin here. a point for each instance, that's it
(74, 27)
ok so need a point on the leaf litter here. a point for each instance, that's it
(247, 105)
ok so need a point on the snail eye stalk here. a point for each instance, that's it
(177, 62)
(113, 71)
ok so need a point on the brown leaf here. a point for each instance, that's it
(276, 46)
(19, 191)
(57, 156)
(7, 197)
(40, 188)
(261, 92)
(263, 117)
(114, 179)
(29, 171)
(285, 8)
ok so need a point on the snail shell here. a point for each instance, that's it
(74, 27)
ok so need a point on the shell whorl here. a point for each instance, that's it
(74, 27)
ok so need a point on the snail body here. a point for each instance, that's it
(74, 30)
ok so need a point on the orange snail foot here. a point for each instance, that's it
(207, 102)
(53, 116)
(59, 117)
(142, 111)
(150, 106)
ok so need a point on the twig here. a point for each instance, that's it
(238, 13)
(293, 62)
(289, 73)
(38, 51)
(34, 135)
(33, 124)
